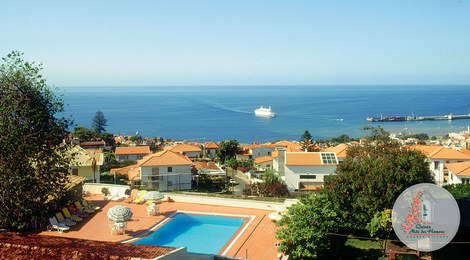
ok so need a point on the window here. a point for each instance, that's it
(155, 171)
(310, 177)
(170, 169)
(436, 165)
(74, 171)
(328, 158)
(465, 180)
(169, 183)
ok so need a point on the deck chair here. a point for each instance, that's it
(61, 227)
(140, 199)
(90, 205)
(113, 192)
(133, 196)
(121, 194)
(75, 211)
(82, 208)
(70, 216)
(66, 221)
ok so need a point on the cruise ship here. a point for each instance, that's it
(262, 111)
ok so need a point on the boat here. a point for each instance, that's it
(262, 111)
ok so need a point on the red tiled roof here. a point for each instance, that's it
(133, 150)
(13, 246)
(311, 159)
(340, 150)
(165, 158)
(184, 148)
(251, 146)
(205, 165)
(269, 146)
(462, 168)
(243, 153)
(263, 159)
(212, 145)
(440, 152)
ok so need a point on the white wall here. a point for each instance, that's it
(134, 157)
(180, 177)
(293, 173)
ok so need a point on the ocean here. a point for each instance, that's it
(214, 113)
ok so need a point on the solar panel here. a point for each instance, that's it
(328, 158)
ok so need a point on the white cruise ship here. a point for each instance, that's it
(262, 111)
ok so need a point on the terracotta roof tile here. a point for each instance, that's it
(243, 153)
(205, 165)
(212, 145)
(440, 152)
(263, 159)
(340, 150)
(251, 146)
(133, 150)
(275, 154)
(13, 246)
(165, 158)
(184, 148)
(462, 168)
(311, 159)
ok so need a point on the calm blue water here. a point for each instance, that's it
(199, 233)
(216, 113)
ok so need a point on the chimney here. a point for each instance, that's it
(282, 162)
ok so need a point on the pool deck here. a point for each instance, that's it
(256, 242)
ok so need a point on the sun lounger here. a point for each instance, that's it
(133, 196)
(61, 227)
(70, 216)
(66, 221)
(80, 207)
(75, 211)
(90, 205)
(140, 199)
(121, 194)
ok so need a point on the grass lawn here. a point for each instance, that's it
(362, 249)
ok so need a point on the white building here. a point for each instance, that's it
(459, 172)
(164, 171)
(191, 151)
(131, 153)
(304, 171)
(439, 157)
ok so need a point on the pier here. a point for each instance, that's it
(416, 118)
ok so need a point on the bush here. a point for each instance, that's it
(105, 191)
(460, 191)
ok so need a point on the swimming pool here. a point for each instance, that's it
(206, 234)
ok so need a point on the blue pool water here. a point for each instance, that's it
(199, 233)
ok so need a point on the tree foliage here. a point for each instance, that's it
(304, 230)
(99, 122)
(33, 154)
(460, 191)
(108, 138)
(82, 133)
(306, 140)
(227, 150)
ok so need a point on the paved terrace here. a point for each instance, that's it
(256, 242)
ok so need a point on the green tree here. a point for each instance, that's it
(460, 191)
(371, 179)
(99, 122)
(227, 150)
(110, 162)
(304, 230)
(33, 155)
(306, 140)
(270, 176)
(82, 133)
(136, 138)
(108, 138)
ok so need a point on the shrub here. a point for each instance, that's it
(105, 191)
(460, 191)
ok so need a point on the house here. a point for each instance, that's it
(439, 157)
(459, 172)
(132, 153)
(207, 167)
(191, 151)
(304, 171)
(254, 151)
(164, 171)
(211, 149)
(340, 151)
(86, 163)
(264, 163)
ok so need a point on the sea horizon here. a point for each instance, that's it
(214, 113)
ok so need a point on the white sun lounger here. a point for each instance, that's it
(57, 225)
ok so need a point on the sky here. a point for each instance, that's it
(241, 42)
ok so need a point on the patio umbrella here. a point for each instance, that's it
(153, 195)
(119, 213)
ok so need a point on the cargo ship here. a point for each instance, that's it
(416, 118)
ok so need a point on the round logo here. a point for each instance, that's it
(425, 217)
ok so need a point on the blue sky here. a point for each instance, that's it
(164, 43)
